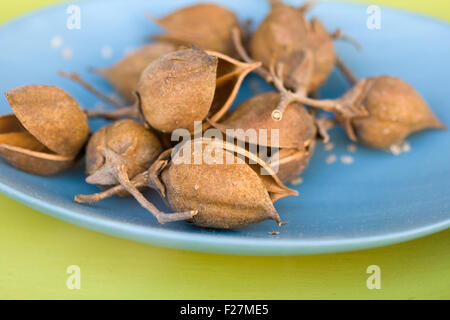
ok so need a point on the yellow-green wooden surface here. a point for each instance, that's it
(35, 251)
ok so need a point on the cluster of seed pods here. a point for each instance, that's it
(191, 74)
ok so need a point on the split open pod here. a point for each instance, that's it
(45, 134)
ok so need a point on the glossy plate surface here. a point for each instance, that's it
(375, 200)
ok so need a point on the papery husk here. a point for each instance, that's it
(52, 116)
(124, 75)
(282, 38)
(26, 153)
(227, 196)
(207, 26)
(395, 111)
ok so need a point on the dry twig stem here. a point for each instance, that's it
(130, 112)
(237, 40)
(76, 78)
(160, 216)
(347, 110)
(346, 71)
(338, 35)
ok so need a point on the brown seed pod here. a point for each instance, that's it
(395, 111)
(184, 80)
(117, 153)
(124, 76)
(296, 132)
(207, 26)
(298, 56)
(224, 195)
(52, 116)
(291, 163)
(26, 153)
(182, 87)
(124, 147)
(283, 36)
(46, 132)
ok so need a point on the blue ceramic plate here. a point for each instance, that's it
(376, 200)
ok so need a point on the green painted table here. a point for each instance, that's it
(36, 250)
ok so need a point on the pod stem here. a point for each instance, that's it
(237, 40)
(138, 182)
(352, 79)
(323, 125)
(129, 112)
(119, 171)
(162, 217)
(339, 35)
(76, 78)
(346, 109)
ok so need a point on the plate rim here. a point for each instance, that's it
(217, 243)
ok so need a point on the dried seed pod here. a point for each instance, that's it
(126, 144)
(296, 132)
(178, 89)
(117, 153)
(207, 26)
(297, 56)
(46, 132)
(26, 153)
(291, 163)
(52, 116)
(284, 35)
(395, 111)
(224, 195)
(182, 87)
(124, 76)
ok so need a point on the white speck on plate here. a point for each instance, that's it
(400, 148)
(56, 42)
(107, 52)
(406, 147)
(351, 148)
(296, 182)
(331, 159)
(395, 149)
(347, 159)
(67, 53)
(328, 146)
(196, 187)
